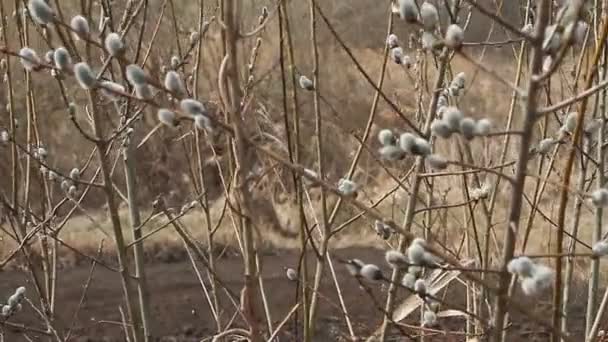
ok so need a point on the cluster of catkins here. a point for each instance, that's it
(383, 230)
(396, 148)
(534, 277)
(60, 61)
(413, 262)
(565, 30)
(428, 16)
(566, 130)
(13, 304)
(452, 121)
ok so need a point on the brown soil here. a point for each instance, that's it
(181, 313)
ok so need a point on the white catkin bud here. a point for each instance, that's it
(109, 90)
(41, 12)
(4, 136)
(528, 29)
(481, 193)
(415, 254)
(420, 287)
(20, 291)
(429, 319)
(143, 91)
(291, 274)
(65, 185)
(600, 248)
(62, 58)
(84, 75)
(6, 310)
(347, 187)
(545, 145)
(467, 128)
(428, 40)
(386, 137)
(415, 270)
(80, 25)
(440, 128)
(452, 116)
(599, 198)
(407, 142)
(570, 122)
(483, 127)
(459, 80)
(454, 36)
(421, 147)
(306, 83)
(371, 272)
(408, 11)
(173, 83)
(114, 44)
(397, 55)
(382, 229)
(203, 123)
(437, 162)
(429, 16)
(75, 174)
(136, 75)
(29, 58)
(580, 31)
(392, 41)
(193, 107)
(72, 191)
(174, 62)
(13, 300)
(391, 152)
(529, 287)
(408, 281)
(521, 266)
(166, 117)
(53, 176)
(194, 37)
(354, 266)
(396, 259)
(543, 276)
(48, 57)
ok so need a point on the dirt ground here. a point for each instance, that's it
(181, 313)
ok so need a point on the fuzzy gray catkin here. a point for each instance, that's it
(114, 44)
(454, 36)
(143, 91)
(192, 107)
(109, 90)
(166, 117)
(306, 83)
(429, 16)
(84, 75)
(392, 41)
(173, 83)
(408, 11)
(62, 58)
(391, 152)
(440, 128)
(397, 55)
(29, 58)
(407, 141)
(80, 26)
(371, 272)
(452, 116)
(41, 12)
(467, 128)
(136, 75)
(483, 127)
(386, 137)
